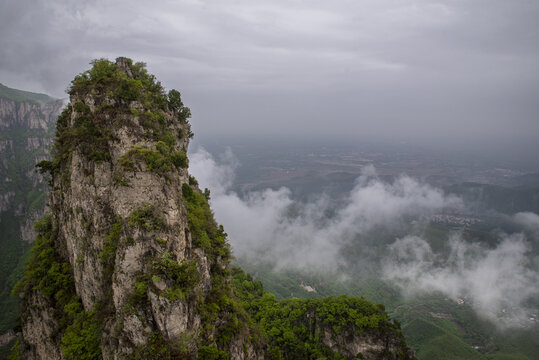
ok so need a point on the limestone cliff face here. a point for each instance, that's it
(119, 227)
(26, 130)
(28, 114)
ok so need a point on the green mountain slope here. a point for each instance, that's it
(436, 327)
(21, 96)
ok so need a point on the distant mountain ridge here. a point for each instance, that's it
(21, 96)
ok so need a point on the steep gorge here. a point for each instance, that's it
(26, 129)
(130, 263)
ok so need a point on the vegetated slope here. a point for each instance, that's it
(328, 328)
(435, 326)
(130, 263)
(26, 128)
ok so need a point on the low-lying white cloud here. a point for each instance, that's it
(497, 282)
(270, 225)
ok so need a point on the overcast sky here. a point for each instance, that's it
(451, 72)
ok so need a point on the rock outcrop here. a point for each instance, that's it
(28, 114)
(129, 267)
(130, 264)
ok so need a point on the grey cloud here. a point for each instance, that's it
(451, 72)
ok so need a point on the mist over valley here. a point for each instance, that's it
(433, 236)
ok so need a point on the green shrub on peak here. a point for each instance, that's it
(122, 92)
